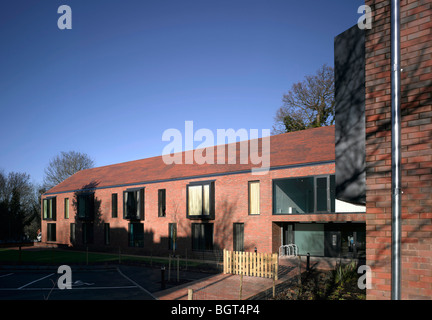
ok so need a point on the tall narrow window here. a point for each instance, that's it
(72, 233)
(254, 197)
(161, 202)
(66, 208)
(172, 236)
(114, 205)
(107, 233)
(200, 200)
(238, 237)
(321, 194)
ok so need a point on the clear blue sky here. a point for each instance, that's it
(128, 70)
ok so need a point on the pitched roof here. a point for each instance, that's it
(287, 149)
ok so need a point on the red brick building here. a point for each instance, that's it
(416, 145)
(90, 208)
(148, 207)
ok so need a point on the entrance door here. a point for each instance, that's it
(332, 243)
(287, 234)
(353, 243)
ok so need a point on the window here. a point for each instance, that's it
(200, 200)
(304, 195)
(49, 208)
(238, 237)
(87, 233)
(85, 205)
(72, 236)
(202, 236)
(172, 236)
(136, 235)
(107, 233)
(66, 208)
(51, 232)
(254, 197)
(161, 202)
(133, 204)
(114, 205)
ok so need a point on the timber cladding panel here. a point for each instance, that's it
(416, 149)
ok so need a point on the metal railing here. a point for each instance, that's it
(288, 250)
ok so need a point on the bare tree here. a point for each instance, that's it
(309, 104)
(18, 207)
(65, 165)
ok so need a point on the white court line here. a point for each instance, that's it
(55, 288)
(5, 275)
(136, 284)
(35, 281)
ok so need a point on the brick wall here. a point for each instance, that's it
(416, 107)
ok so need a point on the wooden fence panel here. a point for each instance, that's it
(250, 264)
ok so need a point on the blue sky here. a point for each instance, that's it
(128, 70)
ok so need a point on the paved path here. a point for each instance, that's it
(227, 286)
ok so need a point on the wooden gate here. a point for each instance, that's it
(253, 264)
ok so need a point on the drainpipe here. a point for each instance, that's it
(396, 153)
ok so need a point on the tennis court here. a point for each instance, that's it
(90, 283)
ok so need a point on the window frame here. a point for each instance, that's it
(107, 234)
(249, 197)
(66, 208)
(50, 232)
(161, 203)
(87, 230)
(329, 194)
(134, 240)
(172, 236)
(114, 205)
(203, 238)
(72, 232)
(139, 214)
(49, 210)
(211, 215)
(238, 236)
(89, 206)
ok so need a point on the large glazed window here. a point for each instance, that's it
(49, 208)
(85, 206)
(200, 200)
(133, 204)
(304, 195)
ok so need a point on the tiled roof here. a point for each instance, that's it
(287, 149)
